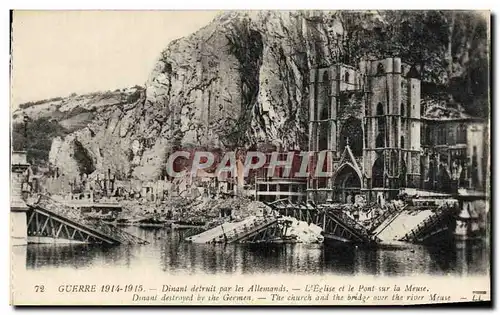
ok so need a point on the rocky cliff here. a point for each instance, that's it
(240, 80)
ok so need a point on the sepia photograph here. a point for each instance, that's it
(262, 157)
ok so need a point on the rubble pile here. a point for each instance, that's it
(213, 212)
(207, 210)
(303, 232)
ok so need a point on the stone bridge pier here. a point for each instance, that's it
(19, 191)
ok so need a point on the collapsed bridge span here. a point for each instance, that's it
(49, 221)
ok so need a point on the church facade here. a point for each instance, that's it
(377, 139)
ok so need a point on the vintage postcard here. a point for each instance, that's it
(250, 157)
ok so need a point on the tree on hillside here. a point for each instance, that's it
(38, 140)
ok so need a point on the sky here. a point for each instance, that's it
(56, 53)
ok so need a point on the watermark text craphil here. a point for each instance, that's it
(292, 164)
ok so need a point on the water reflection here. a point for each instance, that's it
(167, 253)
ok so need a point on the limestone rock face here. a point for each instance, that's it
(240, 80)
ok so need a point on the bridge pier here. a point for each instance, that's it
(18, 207)
(18, 228)
(469, 226)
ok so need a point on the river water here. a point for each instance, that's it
(168, 254)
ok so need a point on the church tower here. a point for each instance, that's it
(322, 127)
(391, 158)
(327, 85)
(364, 131)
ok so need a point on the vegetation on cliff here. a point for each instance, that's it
(36, 138)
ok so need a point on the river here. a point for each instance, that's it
(167, 253)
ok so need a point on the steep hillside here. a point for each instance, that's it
(244, 78)
(58, 117)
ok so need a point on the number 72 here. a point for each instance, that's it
(39, 288)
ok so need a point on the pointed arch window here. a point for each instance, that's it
(380, 139)
(325, 111)
(380, 68)
(462, 134)
(353, 131)
(380, 118)
(442, 135)
(380, 109)
(325, 77)
(378, 172)
(324, 128)
(346, 77)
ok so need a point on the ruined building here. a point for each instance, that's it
(278, 186)
(378, 139)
